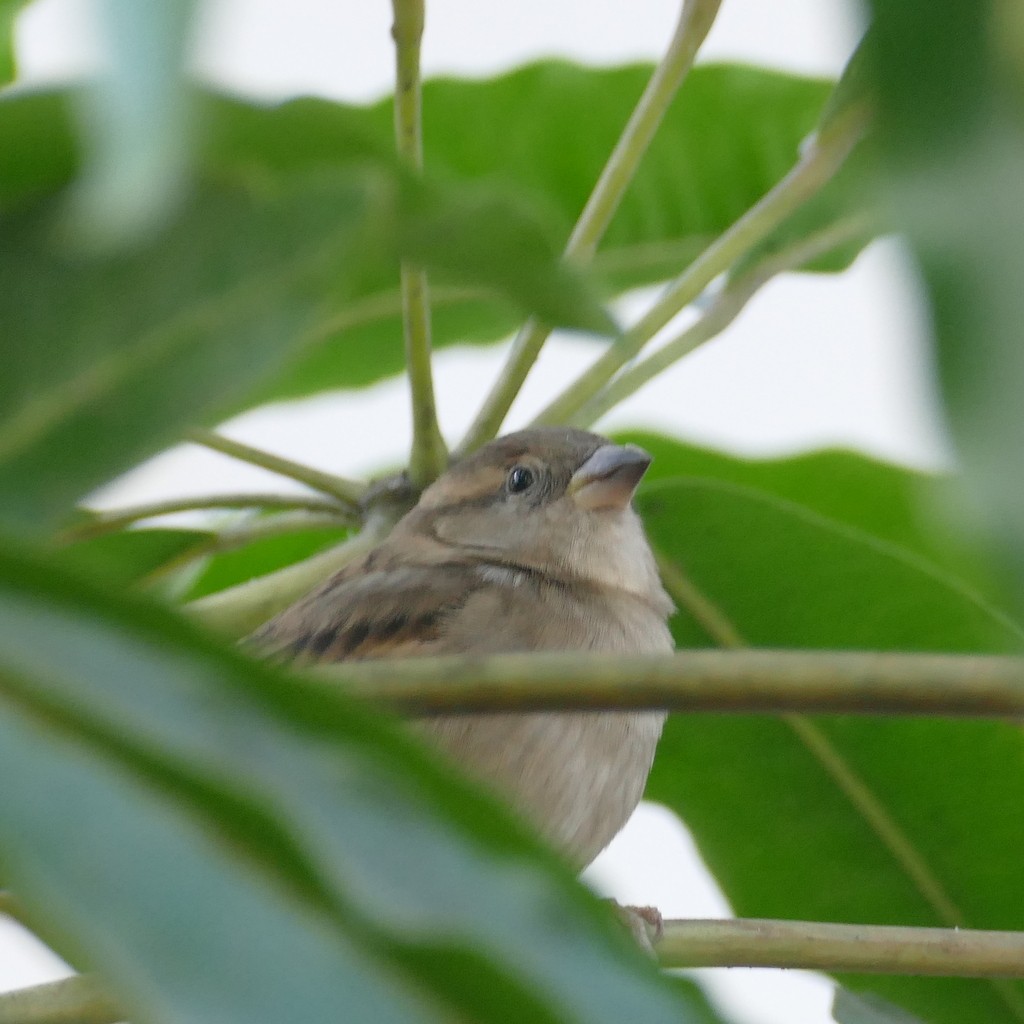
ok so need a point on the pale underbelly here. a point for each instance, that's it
(577, 776)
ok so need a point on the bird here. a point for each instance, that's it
(530, 543)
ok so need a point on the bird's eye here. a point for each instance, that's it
(519, 479)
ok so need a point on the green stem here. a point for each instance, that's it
(348, 492)
(695, 21)
(807, 945)
(429, 456)
(75, 1000)
(102, 523)
(242, 534)
(732, 681)
(719, 315)
(239, 610)
(859, 948)
(818, 163)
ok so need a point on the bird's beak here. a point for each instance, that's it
(609, 477)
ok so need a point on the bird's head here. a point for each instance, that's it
(550, 499)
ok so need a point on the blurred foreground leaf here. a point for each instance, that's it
(107, 357)
(951, 119)
(694, 182)
(221, 843)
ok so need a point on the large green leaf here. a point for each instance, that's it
(891, 503)
(106, 358)
(848, 1008)
(730, 135)
(955, 161)
(129, 556)
(222, 843)
(843, 819)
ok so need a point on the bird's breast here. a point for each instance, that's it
(577, 775)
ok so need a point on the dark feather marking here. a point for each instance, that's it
(320, 641)
(395, 624)
(356, 635)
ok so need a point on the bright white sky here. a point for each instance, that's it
(813, 361)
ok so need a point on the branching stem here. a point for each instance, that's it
(725, 307)
(238, 610)
(111, 521)
(695, 21)
(239, 535)
(817, 164)
(429, 456)
(348, 492)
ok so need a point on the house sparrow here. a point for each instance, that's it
(529, 544)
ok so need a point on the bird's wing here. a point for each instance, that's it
(375, 611)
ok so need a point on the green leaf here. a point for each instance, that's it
(184, 327)
(128, 556)
(867, 1008)
(259, 558)
(843, 819)
(891, 503)
(954, 155)
(224, 843)
(696, 179)
(110, 357)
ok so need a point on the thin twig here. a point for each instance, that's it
(429, 456)
(75, 1000)
(695, 20)
(877, 949)
(102, 523)
(726, 306)
(825, 682)
(240, 535)
(238, 610)
(818, 163)
(349, 492)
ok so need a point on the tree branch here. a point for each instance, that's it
(820, 682)
(878, 949)
(817, 164)
(695, 21)
(348, 492)
(836, 948)
(429, 456)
